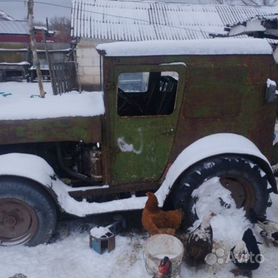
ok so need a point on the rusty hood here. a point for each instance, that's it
(67, 117)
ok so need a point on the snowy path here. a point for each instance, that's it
(71, 258)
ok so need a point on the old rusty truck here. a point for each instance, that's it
(171, 115)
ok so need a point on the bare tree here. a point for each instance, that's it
(62, 26)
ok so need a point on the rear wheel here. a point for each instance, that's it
(27, 214)
(242, 177)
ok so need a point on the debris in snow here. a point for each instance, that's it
(3, 94)
(102, 239)
(98, 232)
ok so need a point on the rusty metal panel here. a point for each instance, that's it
(221, 94)
(215, 90)
(87, 129)
(247, 114)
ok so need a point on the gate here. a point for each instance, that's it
(63, 77)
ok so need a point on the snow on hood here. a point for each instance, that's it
(187, 47)
(72, 104)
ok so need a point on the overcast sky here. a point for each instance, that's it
(18, 10)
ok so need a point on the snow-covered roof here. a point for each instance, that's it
(218, 46)
(263, 24)
(5, 16)
(133, 21)
(14, 27)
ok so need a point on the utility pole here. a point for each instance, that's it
(36, 61)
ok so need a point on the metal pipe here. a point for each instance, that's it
(71, 173)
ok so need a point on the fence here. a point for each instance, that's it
(63, 77)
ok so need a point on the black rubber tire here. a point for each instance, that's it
(38, 199)
(230, 166)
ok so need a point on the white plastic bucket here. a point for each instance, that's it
(159, 246)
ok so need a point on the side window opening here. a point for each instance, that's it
(147, 93)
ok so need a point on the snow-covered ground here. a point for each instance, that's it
(70, 256)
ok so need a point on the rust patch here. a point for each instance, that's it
(51, 130)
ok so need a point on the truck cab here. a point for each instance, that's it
(167, 111)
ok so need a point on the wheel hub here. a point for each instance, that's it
(9, 221)
(18, 222)
(241, 191)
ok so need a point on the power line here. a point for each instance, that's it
(112, 15)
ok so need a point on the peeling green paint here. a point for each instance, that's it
(154, 135)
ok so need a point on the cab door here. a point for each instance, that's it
(145, 104)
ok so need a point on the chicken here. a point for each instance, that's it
(164, 269)
(200, 241)
(157, 221)
(246, 255)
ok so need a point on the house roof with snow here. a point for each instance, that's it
(15, 27)
(259, 26)
(134, 21)
(5, 16)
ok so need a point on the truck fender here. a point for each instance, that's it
(212, 145)
(27, 166)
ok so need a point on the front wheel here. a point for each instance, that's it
(242, 177)
(27, 214)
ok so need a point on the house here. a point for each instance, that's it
(15, 52)
(14, 33)
(98, 21)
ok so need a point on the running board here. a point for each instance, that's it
(84, 208)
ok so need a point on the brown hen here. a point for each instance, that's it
(157, 221)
